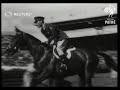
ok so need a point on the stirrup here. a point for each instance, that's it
(64, 65)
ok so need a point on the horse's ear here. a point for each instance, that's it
(17, 30)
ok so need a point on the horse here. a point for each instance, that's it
(82, 62)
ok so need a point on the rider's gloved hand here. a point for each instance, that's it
(46, 42)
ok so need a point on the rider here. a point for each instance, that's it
(54, 35)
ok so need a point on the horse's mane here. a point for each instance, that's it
(45, 46)
(38, 42)
(33, 38)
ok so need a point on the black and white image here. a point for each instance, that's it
(59, 44)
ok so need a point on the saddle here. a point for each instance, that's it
(67, 52)
(67, 55)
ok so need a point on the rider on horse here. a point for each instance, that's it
(55, 36)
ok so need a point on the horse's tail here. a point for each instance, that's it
(108, 60)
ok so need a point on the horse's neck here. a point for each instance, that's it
(36, 50)
(41, 56)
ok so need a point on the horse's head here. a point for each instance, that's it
(25, 41)
(16, 44)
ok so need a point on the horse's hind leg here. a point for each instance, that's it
(82, 79)
(51, 82)
(88, 78)
(91, 66)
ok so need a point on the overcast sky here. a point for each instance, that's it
(52, 12)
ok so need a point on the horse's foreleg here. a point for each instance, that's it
(40, 78)
(27, 78)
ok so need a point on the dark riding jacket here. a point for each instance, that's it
(53, 33)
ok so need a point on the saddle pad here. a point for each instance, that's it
(69, 52)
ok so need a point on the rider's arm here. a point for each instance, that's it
(53, 34)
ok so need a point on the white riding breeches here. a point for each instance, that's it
(60, 48)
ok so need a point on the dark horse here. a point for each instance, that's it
(82, 62)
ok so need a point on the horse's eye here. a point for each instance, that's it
(14, 47)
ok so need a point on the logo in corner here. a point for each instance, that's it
(111, 10)
(8, 13)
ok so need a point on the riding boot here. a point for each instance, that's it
(63, 60)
